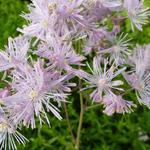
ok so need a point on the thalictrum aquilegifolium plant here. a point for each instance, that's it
(39, 66)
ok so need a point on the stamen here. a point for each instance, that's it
(33, 94)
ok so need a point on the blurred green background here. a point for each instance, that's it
(99, 132)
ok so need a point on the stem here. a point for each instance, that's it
(129, 90)
(3, 82)
(91, 107)
(77, 146)
(80, 122)
(68, 123)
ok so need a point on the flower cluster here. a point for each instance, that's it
(38, 66)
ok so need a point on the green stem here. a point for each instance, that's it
(68, 123)
(80, 122)
(93, 106)
(77, 146)
(127, 91)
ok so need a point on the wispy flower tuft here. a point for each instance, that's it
(113, 103)
(137, 13)
(9, 134)
(102, 79)
(15, 55)
(119, 50)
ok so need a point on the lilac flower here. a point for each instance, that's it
(39, 20)
(139, 76)
(69, 14)
(140, 60)
(8, 133)
(94, 39)
(47, 17)
(119, 50)
(99, 9)
(35, 92)
(141, 84)
(15, 55)
(102, 79)
(60, 54)
(113, 103)
(137, 13)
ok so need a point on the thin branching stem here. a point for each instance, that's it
(69, 124)
(127, 91)
(93, 106)
(80, 122)
(77, 146)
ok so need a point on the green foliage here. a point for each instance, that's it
(99, 131)
(10, 19)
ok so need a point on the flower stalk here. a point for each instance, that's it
(80, 122)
